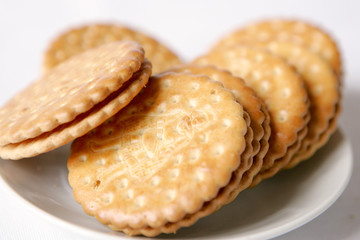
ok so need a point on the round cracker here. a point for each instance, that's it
(68, 90)
(299, 32)
(82, 123)
(160, 163)
(323, 90)
(238, 181)
(78, 40)
(253, 105)
(283, 92)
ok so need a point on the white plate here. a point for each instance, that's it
(276, 206)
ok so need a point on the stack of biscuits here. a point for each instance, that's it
(153, 153)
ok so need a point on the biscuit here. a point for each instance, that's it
(82, 123)
(283, 92)
(80, 39)
(69, 90)
(253, 105)
(323, 90)
(299, 32)
(165, 160)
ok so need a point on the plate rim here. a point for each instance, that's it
(270, 233)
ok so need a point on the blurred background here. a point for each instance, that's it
(189, 28)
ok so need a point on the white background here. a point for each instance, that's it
(190, 28)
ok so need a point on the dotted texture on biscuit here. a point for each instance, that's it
(253, 105)
(82, 123)
(160, 158)
(323, 89)
(68, 90)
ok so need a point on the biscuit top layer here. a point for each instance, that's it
(68, 90)
(163, 156)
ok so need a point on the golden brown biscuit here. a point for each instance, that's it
(81, 39)
(283, 92)
(165, 160)
(82, 123)
(68, 92)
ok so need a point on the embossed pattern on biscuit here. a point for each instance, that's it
(260, 119)
(162, 157)
(225, 195)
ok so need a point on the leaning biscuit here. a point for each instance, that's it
(323, 90)
(80, 39)
(82, 123)
(299, 32)
(165, 160)
(70, 92)
(253, 105)
(283, 93)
